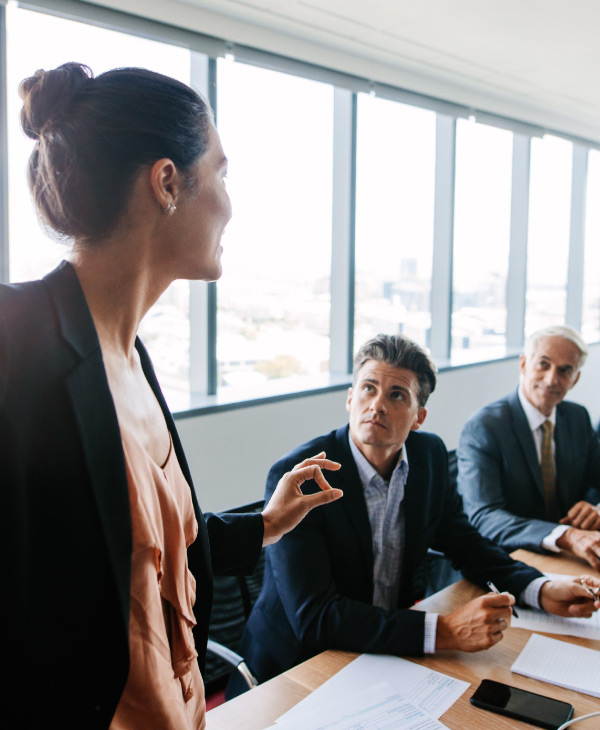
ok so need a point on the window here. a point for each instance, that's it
(273, 302)
(590, 321)
(165, 329)
(274, 295)
(549, 232)
(395, 178)
(481, 241)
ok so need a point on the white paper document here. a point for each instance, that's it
(432, 692)
(561, 663)
(529, 618)
(376, 708)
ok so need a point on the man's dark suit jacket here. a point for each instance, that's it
(500, 478)
(318, 585)
(65, 524)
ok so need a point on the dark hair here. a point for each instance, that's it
(94, 134)
(401, 352)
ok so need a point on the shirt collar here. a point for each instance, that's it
(366, 471)
(534, 417)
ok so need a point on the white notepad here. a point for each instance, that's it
(561, 663)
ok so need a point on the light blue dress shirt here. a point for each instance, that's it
(386, 517)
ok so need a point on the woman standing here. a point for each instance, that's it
(109, 577)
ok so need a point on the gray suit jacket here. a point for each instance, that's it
(499, 475)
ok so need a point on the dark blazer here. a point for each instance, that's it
(65, 520)
(318, 585)
(500, 478)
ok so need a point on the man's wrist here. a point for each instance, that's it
(564, 541)
(430, 633)
(532, 593)
(550, 541)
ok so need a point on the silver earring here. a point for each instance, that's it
(171, 208)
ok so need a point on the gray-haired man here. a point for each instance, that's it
(529, 464)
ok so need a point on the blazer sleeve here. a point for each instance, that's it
(235, 542)
(479, 559)
(481, 485)
(592, 468)
(312, 568)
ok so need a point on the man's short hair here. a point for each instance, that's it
(401, 352)
(568, 333)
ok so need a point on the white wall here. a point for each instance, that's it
(230, 452)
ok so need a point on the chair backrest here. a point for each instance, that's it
(452, 467)
(233, 599)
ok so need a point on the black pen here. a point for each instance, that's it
(493, 589)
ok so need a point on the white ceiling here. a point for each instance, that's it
(538, 60)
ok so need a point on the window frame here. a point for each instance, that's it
(204, 49)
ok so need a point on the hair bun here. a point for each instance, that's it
(46, 94)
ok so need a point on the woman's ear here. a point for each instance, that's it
(165, 183)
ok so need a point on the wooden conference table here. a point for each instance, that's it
(260, 707)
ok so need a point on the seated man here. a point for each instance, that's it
(344, 578)
(529, 464)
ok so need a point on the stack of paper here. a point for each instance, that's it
(561, 663)
(376, 691)
(376, 708)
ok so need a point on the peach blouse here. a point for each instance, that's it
(164, 689)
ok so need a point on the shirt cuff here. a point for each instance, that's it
(549, 542)
(531, 595)
(430, 633)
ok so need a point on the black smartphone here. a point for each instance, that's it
(522, 705)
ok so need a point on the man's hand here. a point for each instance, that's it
(582, 543)
(583, 515)
(476, 625)
(570, 597)
(288, 505)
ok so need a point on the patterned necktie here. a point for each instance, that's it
(548, 472)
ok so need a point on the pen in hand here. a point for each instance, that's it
(595, 593)
(493, 588)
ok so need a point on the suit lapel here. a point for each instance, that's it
(354, 496)
(522, 431)
(89, 393)
(416, 496)
(101, 442)
(202, 538)
(153, 382)
(566, 445)
(88, 390)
